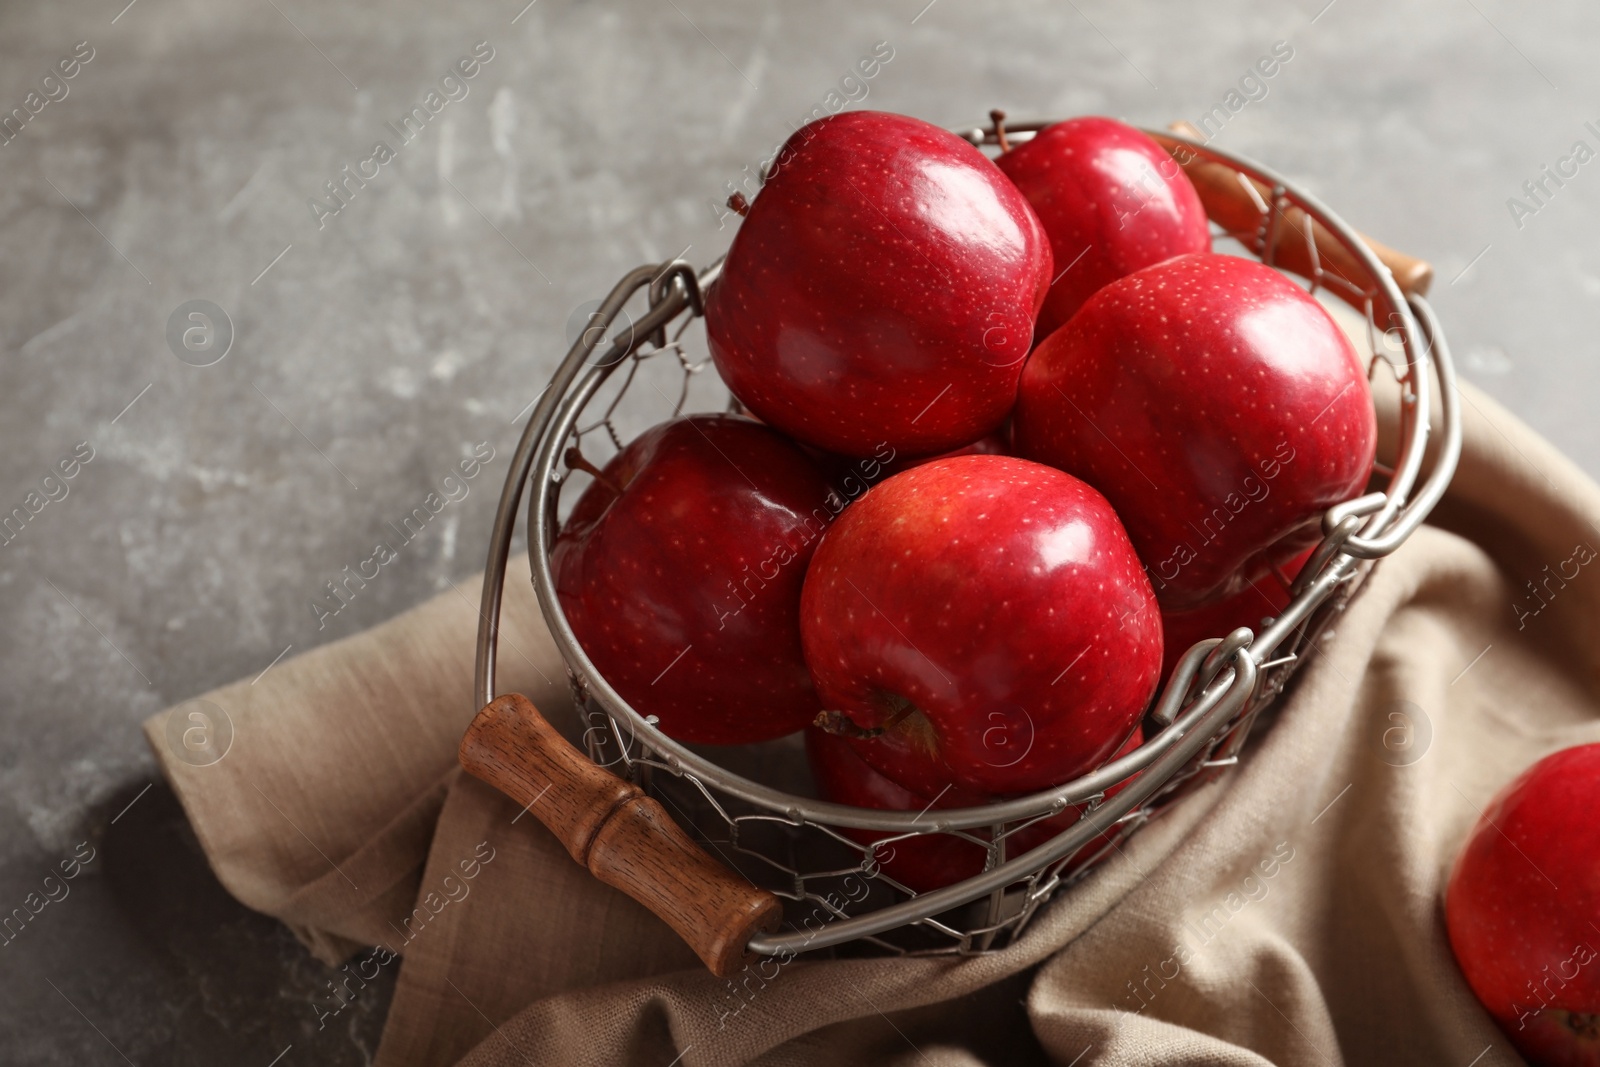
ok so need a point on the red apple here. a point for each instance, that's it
(995, 606)
(1216, 405)
(881, 290)
(930, 861)
(1523, 909)
(680, 571)
(1111, 201)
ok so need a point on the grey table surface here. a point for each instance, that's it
(373, 348)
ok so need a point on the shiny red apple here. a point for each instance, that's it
(993, 605)
(931, 861)
(1216, 405)
(1111, 201)
(1523, 909)
(680, 570)
(881, 290)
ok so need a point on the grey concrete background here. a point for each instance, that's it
(375, 351)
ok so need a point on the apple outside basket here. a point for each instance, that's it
(774, 873)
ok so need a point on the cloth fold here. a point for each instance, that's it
(1288, 913)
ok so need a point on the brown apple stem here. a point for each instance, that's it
(576, 461)
(998, 117)
(739, 205)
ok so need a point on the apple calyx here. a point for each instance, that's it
(998, 117)
(739, 205)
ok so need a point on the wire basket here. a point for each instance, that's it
(750, 807)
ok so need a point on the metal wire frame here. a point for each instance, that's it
(1200, 720)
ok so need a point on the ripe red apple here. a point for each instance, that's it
(1216, 405)
(1523, 909)
(680, 571)
(881, 290)
(1111, 201)
(931, 861)
(993, 605)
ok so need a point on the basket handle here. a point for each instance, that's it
(623, 837)
(1230, 205)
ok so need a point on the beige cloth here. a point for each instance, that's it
(1288, 914)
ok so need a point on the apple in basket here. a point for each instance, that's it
(680, 571)
(1111, 201)
(1216, 405)
(1523, 905)
(994, 608)
(929, 861)
(881, 290)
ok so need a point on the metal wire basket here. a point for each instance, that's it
(751, 807)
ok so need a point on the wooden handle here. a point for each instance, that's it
(1227, 197)
(624, 838)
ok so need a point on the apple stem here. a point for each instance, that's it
(739, 205)
(998, 117)
(576, 461)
